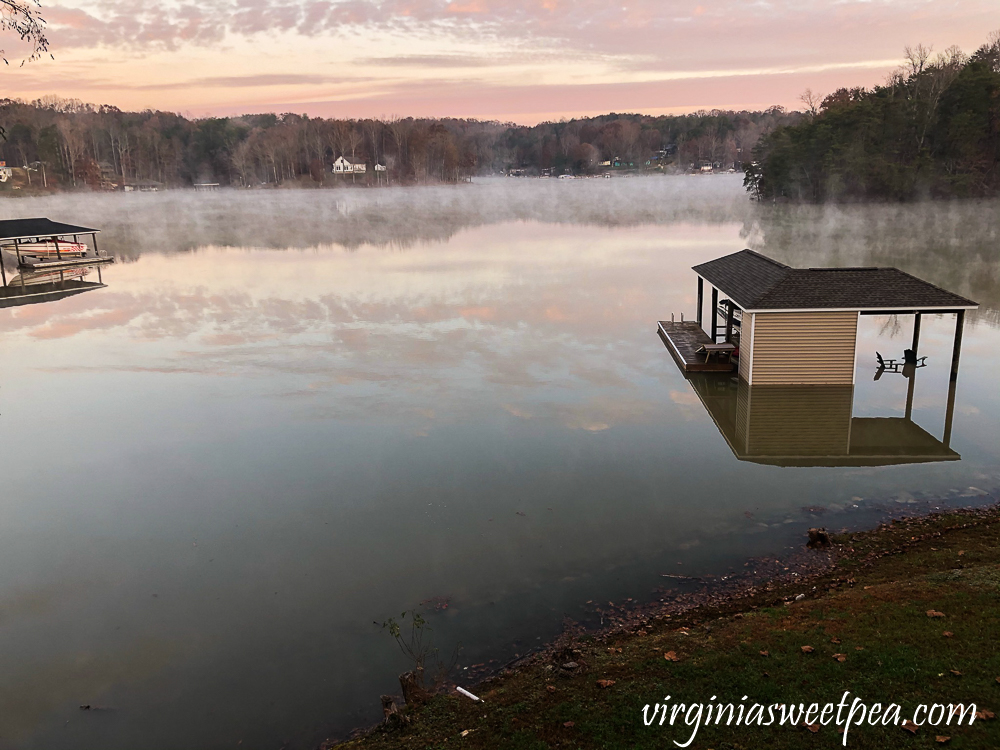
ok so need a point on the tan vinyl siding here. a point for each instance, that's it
(746, 346)
(809, 348)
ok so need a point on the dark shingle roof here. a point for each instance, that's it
(20, 229)
(756, 282)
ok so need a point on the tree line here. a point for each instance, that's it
(931, 131)
(65, 144)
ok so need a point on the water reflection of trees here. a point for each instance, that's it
(953, 244)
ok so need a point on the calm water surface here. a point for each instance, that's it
(290, 415)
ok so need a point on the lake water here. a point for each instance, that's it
(289, 415)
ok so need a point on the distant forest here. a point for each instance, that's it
(63, 144)
(931, 131)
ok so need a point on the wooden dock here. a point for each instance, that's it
(682, 341)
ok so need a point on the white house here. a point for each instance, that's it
(347, 165)
(380, 168)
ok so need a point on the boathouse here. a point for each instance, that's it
(784, 326)
(42, 244)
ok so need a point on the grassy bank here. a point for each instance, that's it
(870, 608)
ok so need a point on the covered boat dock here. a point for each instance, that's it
(798, 326)
(23, 237)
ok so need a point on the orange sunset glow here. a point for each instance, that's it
(512, 60)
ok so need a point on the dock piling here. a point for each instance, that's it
(701, 297)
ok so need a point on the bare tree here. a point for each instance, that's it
(24, 18)
(242, 160)
(72, 144)
(812, 102)
(917, 57)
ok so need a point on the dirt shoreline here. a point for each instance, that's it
(766, 585)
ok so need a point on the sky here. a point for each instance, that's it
(521, 61)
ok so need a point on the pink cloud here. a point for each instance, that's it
(771, 51)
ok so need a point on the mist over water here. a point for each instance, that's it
(185, 219)
(293, 413)
(925, 236)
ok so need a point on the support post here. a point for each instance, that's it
(916, 333)
(715, 313)
(949, 413)
(96, 253)
(729, 319)
(956, 351)
(3, 271)
(701, 297)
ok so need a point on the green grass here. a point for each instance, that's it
(884, 584)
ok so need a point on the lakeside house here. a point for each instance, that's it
(143, 186)
(348, 165)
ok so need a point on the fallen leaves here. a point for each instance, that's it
(569, 724)
(910, 727)
(765, 653)
(985, 714)
(550, 688)
(955, 672)
(605, 683)
(807, 649)
(466, 732)
(835, 641)
(942, 739)
(840, 657)
(671, 656)
(934, 613)
(947, 634)
(814, 728)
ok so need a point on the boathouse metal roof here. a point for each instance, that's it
(24, 229)
(758, 283)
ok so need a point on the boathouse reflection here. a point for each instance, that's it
(813, 425)
(30, 288)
